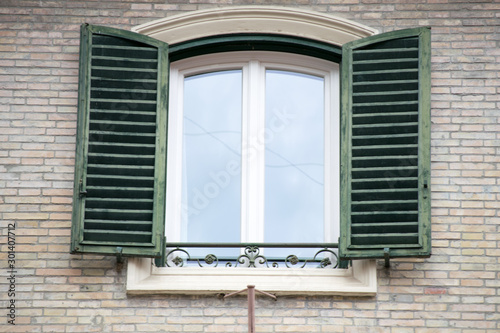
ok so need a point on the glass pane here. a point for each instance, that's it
(294, 170)
(211, 190)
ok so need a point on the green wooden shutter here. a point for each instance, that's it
(385, 153)
(119, 193)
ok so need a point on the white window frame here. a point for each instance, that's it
(253, 65)
(360, 279)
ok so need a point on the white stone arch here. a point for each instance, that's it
(251, 19)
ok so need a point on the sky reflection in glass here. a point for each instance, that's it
(294, 160)
(294, 171)
(211, 196)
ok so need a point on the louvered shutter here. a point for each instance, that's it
(121, 143)
(385, 153)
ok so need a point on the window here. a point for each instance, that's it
(120, 185)
(253, 145)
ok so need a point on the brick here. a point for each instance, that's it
(63, 272)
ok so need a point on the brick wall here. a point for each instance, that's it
(456, 290)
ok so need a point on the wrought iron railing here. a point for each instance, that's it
(321, 255)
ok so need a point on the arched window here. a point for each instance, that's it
(253, 147)
(124, 159)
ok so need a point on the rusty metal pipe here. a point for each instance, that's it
(251, 303)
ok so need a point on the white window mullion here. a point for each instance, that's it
(332, 157)
(253, 150)
(173, 206)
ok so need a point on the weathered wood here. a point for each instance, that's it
(385, 146)
(121, 145)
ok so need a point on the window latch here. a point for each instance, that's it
(387, 257)
(426, 189)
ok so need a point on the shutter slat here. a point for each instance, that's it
(122, 80)
(374, 86)
(124, 178)
(123, 90)
(153, 61)
(122, 156)
(363, 159)
(152, 135)
(108, 180)
(383, 50)
(386, 168)
(384, 61)
(127, 144)
(122, 131)
(125, 170)
(387, 162)
(384, 103)
(125, 113)
(118, 222)
(385, 147)
(113, 122)
(125, 211)
(384, 228)
(385, 125)
(385, 137)
(384, 82)
(124, 203)
(396, 239)
(116, 100)
(384, 214)
(396, 136)
(387, 71)
(119, 188)
(120, 232)
(384, 114)
(120, 200)
(125, 69)
(117, 238)
(123, 48)
(115, 192)
(393, 191)
(385, 93)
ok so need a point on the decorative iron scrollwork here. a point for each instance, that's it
(294, 261)
(252, 257)
(175, 259)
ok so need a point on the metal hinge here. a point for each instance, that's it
(81, 191)
(119, 254)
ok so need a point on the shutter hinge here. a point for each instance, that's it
(160, 262)
(81, 191)
(387, 257)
